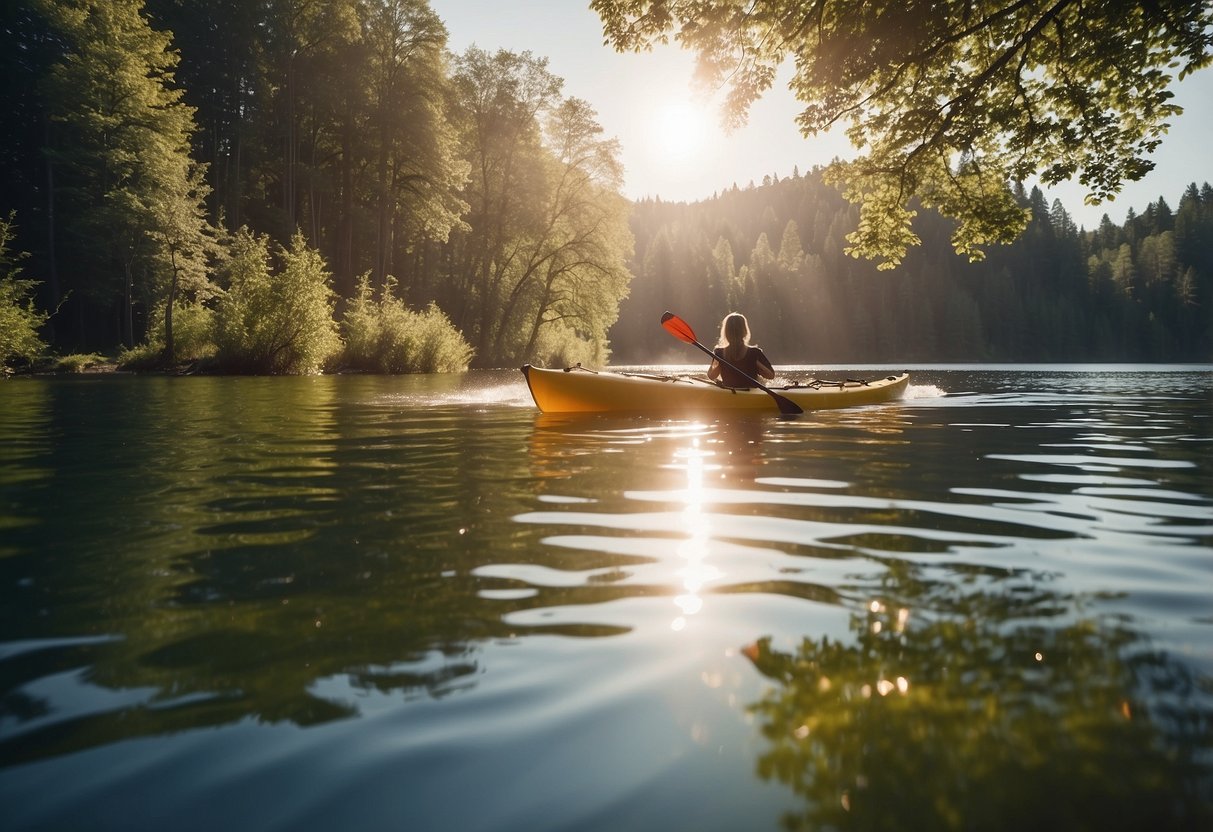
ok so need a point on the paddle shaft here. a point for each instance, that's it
(786, 405)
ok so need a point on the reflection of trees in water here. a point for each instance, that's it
(297, 548)
(980, 716)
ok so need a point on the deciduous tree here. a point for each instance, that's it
(19, 319)
(539, 271)
(949, 101)
(413, 154)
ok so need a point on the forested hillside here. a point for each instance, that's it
(1139, 292)
(139, 139)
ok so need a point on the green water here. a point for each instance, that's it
(389, 603)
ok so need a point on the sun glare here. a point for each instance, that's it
(694, 573)
(681, 131)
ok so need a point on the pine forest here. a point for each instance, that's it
(1138, 292)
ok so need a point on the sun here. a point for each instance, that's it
(681, 130)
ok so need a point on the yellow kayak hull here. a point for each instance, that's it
(577, 390)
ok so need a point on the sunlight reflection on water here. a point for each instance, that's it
(416, 602)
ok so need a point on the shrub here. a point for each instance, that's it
(275, 323)
(146, 356)
(193, 336)
(193, 331)
(360, 325)
(19, 319)
(560, 346)
(441, 347)
(385, 336)
(77, 362)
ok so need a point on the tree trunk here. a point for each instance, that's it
(345, 232)
(288, 176)
(383, 233)
(313, 199)
(170, 349)
(236, 184)
(128, 306)
(52, 266)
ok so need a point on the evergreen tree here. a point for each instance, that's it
(790, 253)
(1054, 295)
(124, 145)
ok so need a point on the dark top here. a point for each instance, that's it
(731, 378)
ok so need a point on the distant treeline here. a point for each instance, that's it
(1138, 292)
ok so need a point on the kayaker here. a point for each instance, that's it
(734, 347)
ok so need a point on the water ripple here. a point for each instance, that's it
(215, 587)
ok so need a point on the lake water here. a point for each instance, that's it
(416, 603)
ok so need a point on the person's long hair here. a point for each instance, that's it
(734, 336)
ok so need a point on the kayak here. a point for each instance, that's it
(580, 390)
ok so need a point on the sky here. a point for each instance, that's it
(674, 147)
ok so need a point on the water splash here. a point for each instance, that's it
(924, 391)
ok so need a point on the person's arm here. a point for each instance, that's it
(714, 367)
(765, 369)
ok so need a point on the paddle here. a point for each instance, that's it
(681, 330)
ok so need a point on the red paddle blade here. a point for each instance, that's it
(677, 327)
